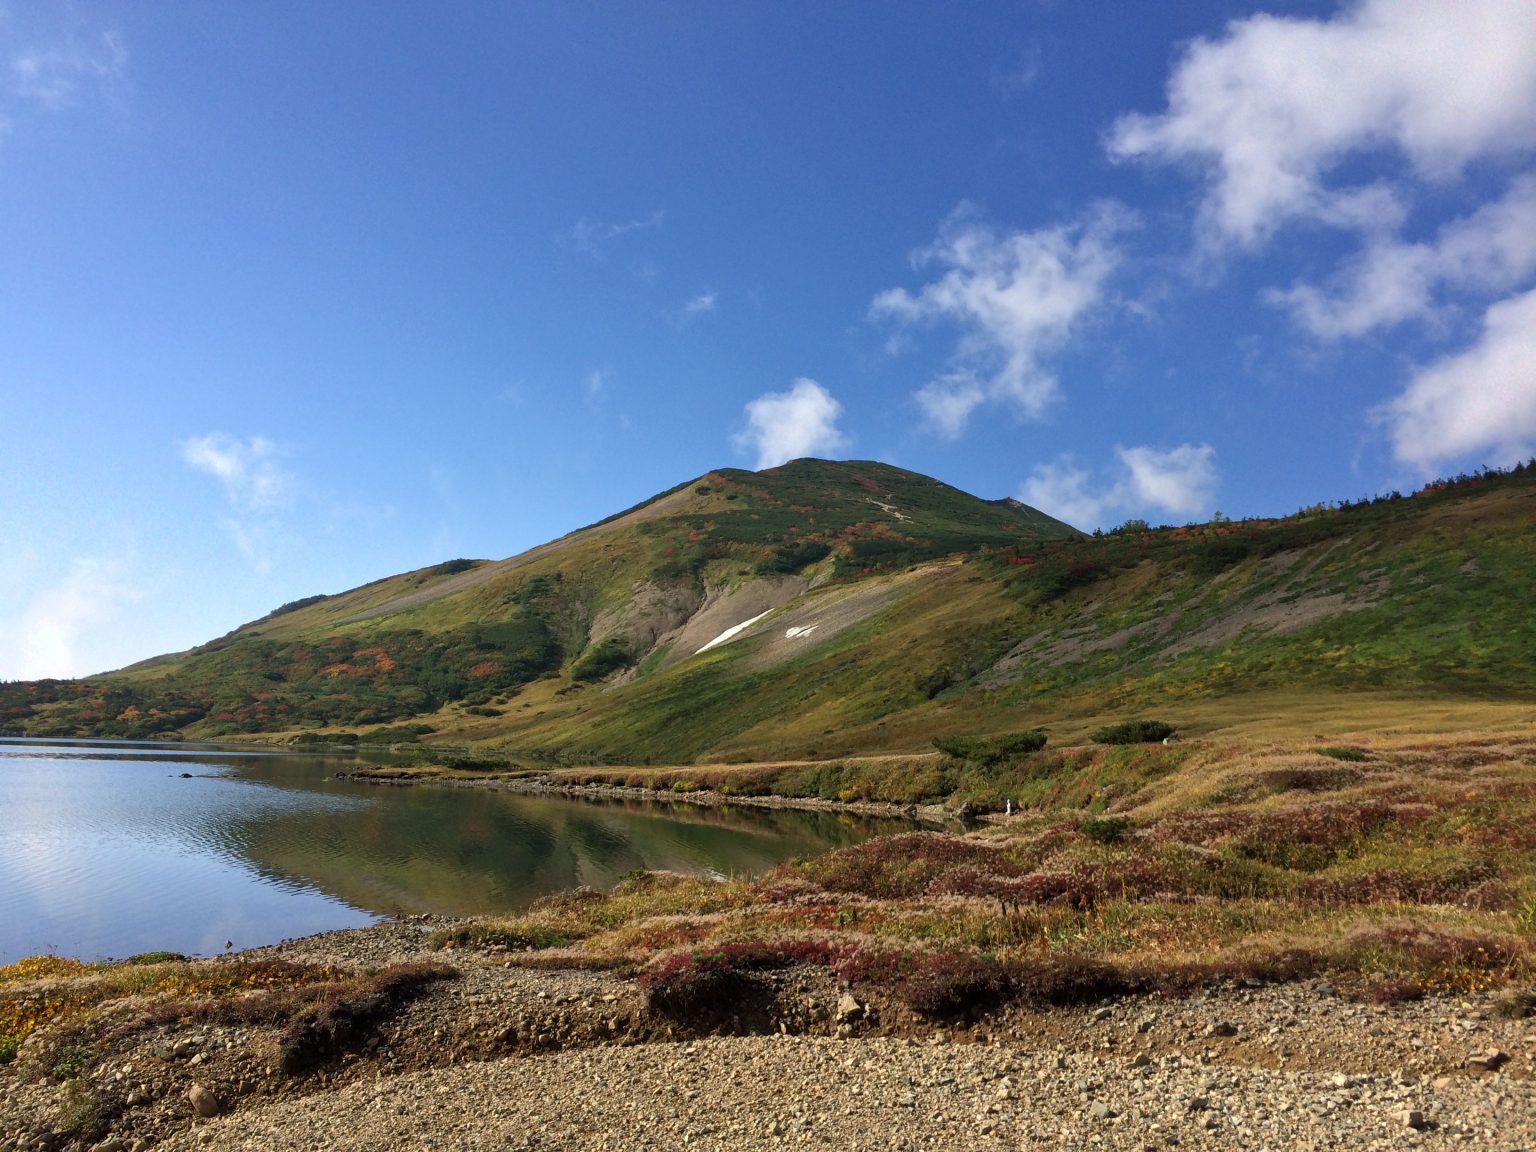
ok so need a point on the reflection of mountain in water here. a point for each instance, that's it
(465, 851)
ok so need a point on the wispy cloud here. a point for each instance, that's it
(1180, 481)
(593, 236)
(258, 488)
(696, 306)
(784, 426)
(56, 633)
(1020, 73)
(248, 469)
(1017, 297)
(54, 76)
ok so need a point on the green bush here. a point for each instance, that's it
(1354, 755)
(396, 734)
(930, 684)
(155, 958)
(600, 660)
(788, 558)
(1133, 732)
(990, 749)
(1105, 829)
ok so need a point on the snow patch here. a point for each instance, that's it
(731, 632)
(799, 630)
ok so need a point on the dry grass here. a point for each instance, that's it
(1409, 869)
(84, 1004)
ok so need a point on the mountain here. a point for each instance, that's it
(825, 608)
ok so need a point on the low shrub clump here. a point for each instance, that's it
(1133, 732)
(1352, 755)
(986, 750)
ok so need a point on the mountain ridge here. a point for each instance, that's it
(829, 607)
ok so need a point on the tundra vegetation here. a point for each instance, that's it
(1406, 870)
(1129, 869)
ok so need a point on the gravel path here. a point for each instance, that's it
(795, 1092)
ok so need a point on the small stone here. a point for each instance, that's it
(1198, 1103)
(1102, 1111)
(1101, 1014)
(1490, 1061)
(112, 1144)
(204, 1102)
(848, 1008)
(1223, 1028)
(1412, 1118)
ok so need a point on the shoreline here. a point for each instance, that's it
(930, 814)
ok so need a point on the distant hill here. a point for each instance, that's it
(824, 608)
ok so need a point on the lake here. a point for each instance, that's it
(106, 850)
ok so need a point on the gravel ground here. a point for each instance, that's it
(511, 1058)
(792, 1092)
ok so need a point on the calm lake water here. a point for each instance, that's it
(106, 850)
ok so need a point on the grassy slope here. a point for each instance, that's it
(975, 616)
(469, 632)
(1404, 610)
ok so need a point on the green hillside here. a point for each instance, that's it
(822, 609)
(468, 632)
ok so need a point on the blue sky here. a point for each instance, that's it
(296, 296)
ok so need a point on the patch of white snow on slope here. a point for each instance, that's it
(729, 633)
(801, 630)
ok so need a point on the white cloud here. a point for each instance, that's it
(1273, 108)
(57, 633)
(594, 236)
(1480, 400)
(1180, 481)
(248, 469)
(1492, 250)
(784, 426)
(949, 401)
(1017, 297)
(1063, 490)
